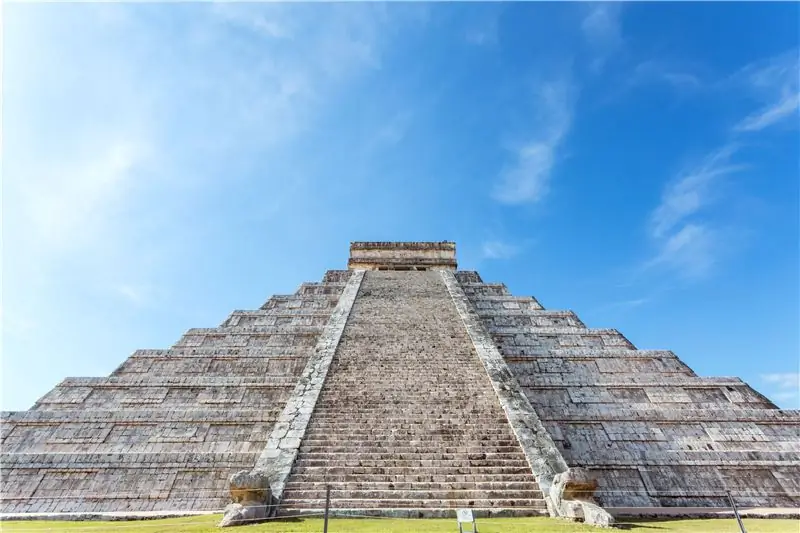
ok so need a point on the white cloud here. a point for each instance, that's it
(679, 77)
(69, 202)
(137, 295)
(622, 305)
(786, 386)
(131, 132)
(526, 179)
(692, 190)
(691, 251)
(145, 118)
(693, 246)
(603, 31)
(499, 250)
(784, 380)
(774, 81)
(785, 108)
(269, 21)
(631, 303)
(683, 226)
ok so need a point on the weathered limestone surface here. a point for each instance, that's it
(411, 393)
(653, 432)
(256, 493)
(252, 499)
(277, 458)
(541, 452)
(407, 422)
(167, 429)
(402, 255)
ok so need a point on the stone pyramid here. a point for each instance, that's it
(412, 389)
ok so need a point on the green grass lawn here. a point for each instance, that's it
(208, 523)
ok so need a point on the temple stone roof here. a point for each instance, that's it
(402, 256)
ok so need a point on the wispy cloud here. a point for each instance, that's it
(70, 202)
(687, 242)
(653, 71)
(776, 83)
(499, 250)
(602, 29)
(785, 108)
(621, 305)
(691, 251)
(131, 137)
(784, 380)
(692, 190)
(138, 295)
(785, 386)
(136, 128)
(526, 178)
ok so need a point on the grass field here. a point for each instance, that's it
(207, 524)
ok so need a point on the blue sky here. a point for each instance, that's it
(166, 164)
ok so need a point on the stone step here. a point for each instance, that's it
(465, 410)
(423, 504)
(430, 442)
(322, 471)
(412, 478)
(412, 410)
(434, 462)
(412, 432)
(416, 436)
(380, 448)
(400, 423)
(380, 394)
(414, 454)
(415, 512)
(407, 418)
(423, 431)
(415, 485)
(411, 494)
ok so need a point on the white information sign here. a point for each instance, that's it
(465, 515)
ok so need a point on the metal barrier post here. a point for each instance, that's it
(327, 505)
(736, 512)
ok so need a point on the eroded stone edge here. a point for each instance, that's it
(541, 452)
(284, 442)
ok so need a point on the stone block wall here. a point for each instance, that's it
(654, 432)
(407, 423)
(167, 428)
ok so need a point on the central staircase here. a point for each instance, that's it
(407, 423)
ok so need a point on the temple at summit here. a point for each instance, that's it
(411, 388)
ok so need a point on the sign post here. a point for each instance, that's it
(465, 516)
